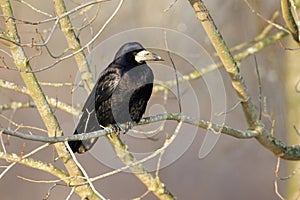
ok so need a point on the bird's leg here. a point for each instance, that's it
(128, 125)
(118, 129)
(115, 128)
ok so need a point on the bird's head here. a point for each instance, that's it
(134, 50)
(144, 55)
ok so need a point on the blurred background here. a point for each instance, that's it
(233, 169)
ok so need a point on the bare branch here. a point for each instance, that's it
(30, 162)
(276, 180)
(278, 147)
(34, 8)
(256, 47)
(50, 121)
(84, 172)
(228, 61)
(147, 120)
(55, 103)
(153, 183)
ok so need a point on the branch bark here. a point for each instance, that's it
(74, 45)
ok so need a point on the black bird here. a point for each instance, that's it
(120, 94)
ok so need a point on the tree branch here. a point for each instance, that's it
(30, 162)
(31, 82)
(74, 45)
(147, 120)
(278, 147)
(228, 61)
(53, 102)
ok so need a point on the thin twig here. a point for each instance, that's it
(25, 156)
(232, 108)
(258, 46)
(20, 126)
(85, 46)
(34, 8)
(154, 154)
(276, 180)
(170, 6)
(259, 89)
(44, 181)
(176, 73)
(265, 19)
(52, 101)
(49, 191)
(86, 177)
(70, 194)
(56, 19)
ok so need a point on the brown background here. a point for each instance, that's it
(235, 169)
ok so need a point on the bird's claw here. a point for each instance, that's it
(128, 126)
(116, 128)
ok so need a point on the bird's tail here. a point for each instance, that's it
(81, 146)
(76, 146)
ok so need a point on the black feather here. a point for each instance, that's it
(119, 96)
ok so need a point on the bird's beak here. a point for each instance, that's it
(153, 57)
(145, 55)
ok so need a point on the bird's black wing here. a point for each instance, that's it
(138, 102)
(88, 122)
(107, 84)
